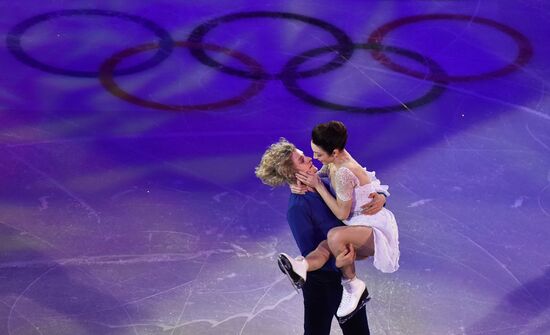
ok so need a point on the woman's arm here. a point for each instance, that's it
(341, 208)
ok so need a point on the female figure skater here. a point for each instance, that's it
(363, 236)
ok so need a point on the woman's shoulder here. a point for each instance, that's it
(358, 172)
(344, 172)
(351, 167)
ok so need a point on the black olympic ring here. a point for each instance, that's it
(108, 67)
(289, 75)
(344, 47)
(525, 50)
(437, 89)
(14, 41)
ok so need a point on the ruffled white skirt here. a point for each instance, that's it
(386, 238)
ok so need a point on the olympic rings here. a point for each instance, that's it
(525, 50)
(14, 41)
(289, 75)
(344, 47)
(437, 89)
(108, 67)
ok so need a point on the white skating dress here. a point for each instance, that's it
(383, 224)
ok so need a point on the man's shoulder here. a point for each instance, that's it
(304, 202)
(303, 199)
(297, 202)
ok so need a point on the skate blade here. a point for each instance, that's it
(364, 299)
(285, 266)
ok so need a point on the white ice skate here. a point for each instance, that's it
(294, 268)
(354, 296)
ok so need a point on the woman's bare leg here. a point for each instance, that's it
(318, 257)
(341, 239)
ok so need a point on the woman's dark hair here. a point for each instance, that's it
(329, 136)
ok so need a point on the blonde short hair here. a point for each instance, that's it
(276, 166)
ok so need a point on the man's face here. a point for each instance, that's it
(302, 163)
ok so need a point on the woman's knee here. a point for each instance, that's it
(336, 239)
(332, 235)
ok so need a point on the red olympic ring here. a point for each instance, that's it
(108, 67)
(525, 50)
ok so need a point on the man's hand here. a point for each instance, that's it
(298, 188)
(375, 206)
(347, 257)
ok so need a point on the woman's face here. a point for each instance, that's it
(321, 155)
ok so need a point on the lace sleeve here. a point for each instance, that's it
(323, 172)
(344, 183)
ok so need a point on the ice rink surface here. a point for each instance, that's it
(129, 133)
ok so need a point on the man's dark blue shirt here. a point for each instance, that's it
(310, 219)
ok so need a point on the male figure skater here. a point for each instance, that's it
(310, 219)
